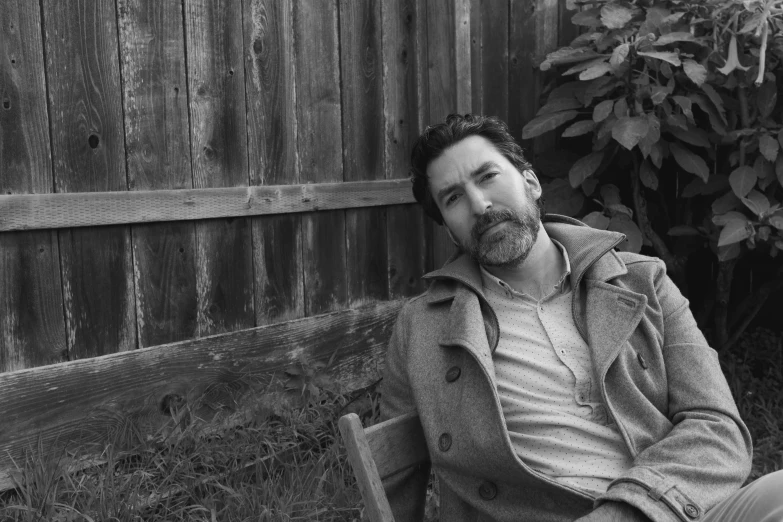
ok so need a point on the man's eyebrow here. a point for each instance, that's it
(487, 165)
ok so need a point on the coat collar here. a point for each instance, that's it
(586, 247)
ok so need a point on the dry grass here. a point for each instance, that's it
(285, 464)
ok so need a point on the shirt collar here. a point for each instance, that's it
(499, 286)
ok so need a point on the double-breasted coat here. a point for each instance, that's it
(660, 381)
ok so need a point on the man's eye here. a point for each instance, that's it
(451, 199)
(488, 175)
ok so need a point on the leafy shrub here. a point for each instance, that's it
(664, 88)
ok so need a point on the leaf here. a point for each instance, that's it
(694, 136)
(574, 89)
(586, 65)
(602, 110)
(735, 231)
(559, 104)
(629, 130)
(716, 183)
(752, 23)
(720, 220)
(677, 120)
(599, 87)
(615, 16)
(619, 55)
(769, 147)
(596, 220)
(653, 135)
(546, 123)
(674, 37)
(672, 58)
(621, 108)
(589, 17)
(648, 176)
(633, 236)
(777, 222)
(689, 161)
(567, 55)
(742, 179)
(579, 128)
(686, 104)
(766, 98)
(756, 202)
(589, 185)
(619, 208)
(728, 252)
(595, 71)
(683, 230)
(695, 71)
(584, 167)
(656, 154)
(658, 94)
(717, 122)
(715, 98)
(561, 198)
(726, 202)
(764, 169)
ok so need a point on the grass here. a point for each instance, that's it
(283, 463)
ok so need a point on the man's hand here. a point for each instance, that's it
(614, 512)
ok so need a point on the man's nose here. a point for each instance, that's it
(479, 203)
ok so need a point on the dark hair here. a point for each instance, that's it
(439, 137)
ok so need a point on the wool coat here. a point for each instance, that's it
(660, 381)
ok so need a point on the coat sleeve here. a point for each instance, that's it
(707, 454)
(406, 491)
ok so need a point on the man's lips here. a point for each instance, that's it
(490, 227)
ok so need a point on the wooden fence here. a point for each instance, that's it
(190, 171)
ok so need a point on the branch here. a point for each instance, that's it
(722, 296)
(674, 265)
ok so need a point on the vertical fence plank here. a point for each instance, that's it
(88, 152)
(152, 53)
(489, 57)
(405, 223)
(271, 118)
(361, 64)
(534, 33)
(224, 280)
(319, 140)
(32, 328)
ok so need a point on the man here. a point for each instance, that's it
(555, 378)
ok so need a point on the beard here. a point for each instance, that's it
(510, 245)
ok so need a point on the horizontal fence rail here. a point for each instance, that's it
(84, 402)
(66, 210)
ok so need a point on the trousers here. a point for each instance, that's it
(759, 501)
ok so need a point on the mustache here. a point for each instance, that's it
(491, 218)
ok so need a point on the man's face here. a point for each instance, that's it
(487, 204)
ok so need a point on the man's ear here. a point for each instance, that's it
(533, 184)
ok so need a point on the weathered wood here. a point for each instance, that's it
(224, 280)
(319, 140)
(361, 63)
(277, 240)
(397, 444)
(489, 57)
(364, 469)
(157, 138)
(82, 402)
(407, 249)
(32, 328)
(405, 234)
(534, 33)
(279, 283)
(462, 65)
(30, 212)
(88, 152)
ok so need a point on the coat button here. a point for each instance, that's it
(453, 374)
(444, 442)
(691, 510)
(488, 490)
(642, 362)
